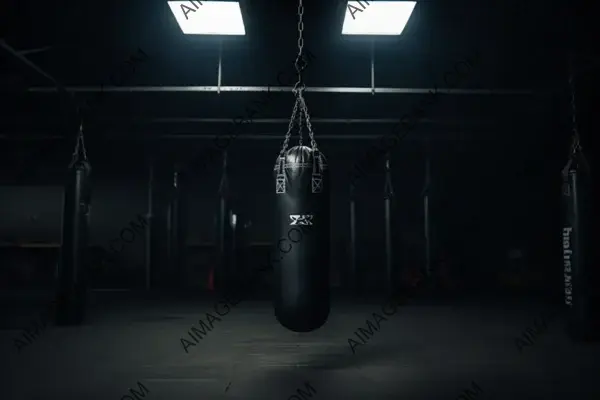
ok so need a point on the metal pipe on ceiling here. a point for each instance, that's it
(259, 136)
(257, 121)
(280, 136)
(250, 89)
(34, 51)
(24, 60)
(168, 120)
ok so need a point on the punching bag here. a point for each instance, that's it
(72, 272)
(576, 248)
(301, 284)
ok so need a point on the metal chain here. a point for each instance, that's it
(313, 142)
(79, 145)
(298, 90)
(288, 135)
(300, 130)
(576, 148)
(576, 143)
(300, 63)
(298, 87)
(388, 188)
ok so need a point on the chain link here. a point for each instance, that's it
(313, 142)
(300, 63)
(300, 130)
(79, 146)
(388, 188)
(576, 141)
(576, 148)
(288, 135)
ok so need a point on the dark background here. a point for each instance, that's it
(496, 173)
(496, 158)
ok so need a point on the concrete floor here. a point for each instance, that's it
(421, 352)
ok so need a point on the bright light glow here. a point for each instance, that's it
(208, 17)
(377, 17)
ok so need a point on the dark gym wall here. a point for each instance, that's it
(32, 213)
(476, 196)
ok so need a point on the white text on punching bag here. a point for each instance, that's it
(305, 219)
(567, 253)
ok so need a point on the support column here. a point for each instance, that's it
(148, 239)
(387, 203)
(426, 216)
(178, 224)
(160, 233)
(352, 275)
(174, 231)
(224, 231)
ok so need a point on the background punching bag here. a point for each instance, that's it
(72, 268)
(301, 285)
(577, 250)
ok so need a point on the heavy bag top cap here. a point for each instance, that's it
(296, 162)
(81, 165)
(301, 157)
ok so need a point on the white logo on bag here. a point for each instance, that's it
(567, 254)
(304, 219)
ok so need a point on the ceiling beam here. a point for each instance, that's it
(225, 89)
(25, 61)
(34, 51)
(115, 136)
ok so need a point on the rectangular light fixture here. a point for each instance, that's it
(377, 17)
(208, 17)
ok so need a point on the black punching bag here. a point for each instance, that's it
(301, 285)
(576, 249)
(72, 269)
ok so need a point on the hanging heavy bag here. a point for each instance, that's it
(301, 295)
(576, 248)
(579, 278)
(302, 275)
(72, 269)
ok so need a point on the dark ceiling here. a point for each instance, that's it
(523, 45)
